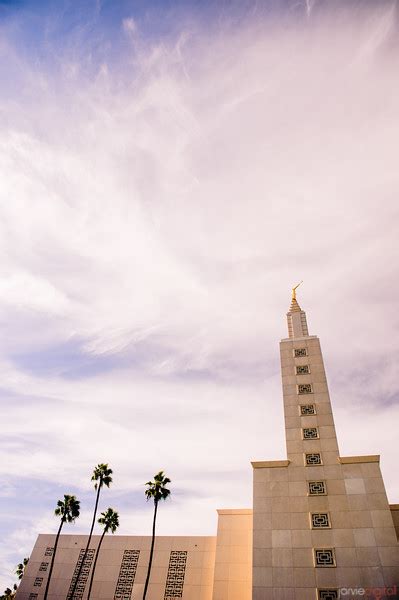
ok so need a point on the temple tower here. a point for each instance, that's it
(321, 522)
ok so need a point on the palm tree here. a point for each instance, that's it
(102, 476)
(9, 594)
(68, 510)
(110, 520)
(20, 568)
(157, 491)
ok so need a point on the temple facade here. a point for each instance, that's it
(320, 528)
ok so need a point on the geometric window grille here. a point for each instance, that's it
(310, 433)
(33, 596)
(176, 572)
(317, 488)
(320, 520)
(313, 458)
(127, 575)
(302, 369)
(305, 388)
(43, 566)
(324, 557)
(38, 582)
(308, 409)
(49, 551)
(83, 577)
(300, 352)
(328, 595)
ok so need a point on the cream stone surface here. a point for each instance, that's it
(198, 574)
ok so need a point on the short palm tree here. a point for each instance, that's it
(9, 594)
(20, 568)
(110, 520)
(102, 476)
(69, 510)
(156, 491)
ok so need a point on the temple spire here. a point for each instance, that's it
(296, 318)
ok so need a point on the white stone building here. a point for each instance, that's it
(321, 523)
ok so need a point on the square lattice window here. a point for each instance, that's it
(43, 566)
(300, 352)
(49, 551)
(33, 596)
(310, 433)
(38, 582)
(305, 388)
(302, 369)
(317, 488)
(313, 458)
(324, 557)
(307, 409)
(327, 594)
(320, 520)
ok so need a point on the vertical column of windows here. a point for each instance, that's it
(322, 557)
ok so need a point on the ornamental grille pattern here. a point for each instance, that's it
(313, 458)
(317, 488)
(328, 595)
(49, 551)
(305, 388)
(33, 596)
(320, 520)
(83, 577)
(43, 566)
(127, 575)
(300, 352)
(38, 582)
(310, 433)
(302, 369)
(324, 557)
(308, 409)
(176, 572)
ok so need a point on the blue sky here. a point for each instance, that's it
(168, 170)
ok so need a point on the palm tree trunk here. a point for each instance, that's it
(152, 550)
(95, 563)
(53, 559)
(88, 542)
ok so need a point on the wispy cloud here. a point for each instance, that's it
(162, 187)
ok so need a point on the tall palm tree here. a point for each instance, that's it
(157, 491)
(110, 520)
(68, 510)
(20, 568)
(102, 476)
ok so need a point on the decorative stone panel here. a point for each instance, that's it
(320, 520)
(313, 458)
(328, 594)
(127, 575)
(84, 575)
(310, 433)
(300, 352)
(317, 488)
(307, 409)
(176, 573)
(302, 369)
(305, 388)
(324, 557)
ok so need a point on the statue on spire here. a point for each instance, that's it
(294, 290)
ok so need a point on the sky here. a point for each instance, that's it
(168, 171)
